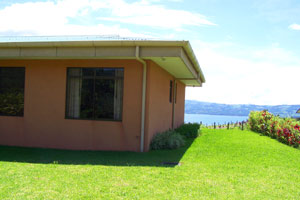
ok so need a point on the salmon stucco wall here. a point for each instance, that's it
(44, 123)
(179, 104)
(158, 107)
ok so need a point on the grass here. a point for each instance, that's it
(220, 164)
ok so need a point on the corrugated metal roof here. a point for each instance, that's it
(67, 38)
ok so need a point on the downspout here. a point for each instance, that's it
(137, 55)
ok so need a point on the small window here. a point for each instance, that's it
(95, 93)
(171, 91)
(175, 92)
(12, 91)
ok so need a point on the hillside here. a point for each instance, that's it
(199, 107)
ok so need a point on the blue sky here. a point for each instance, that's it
(248, 50)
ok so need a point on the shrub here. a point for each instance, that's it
(260, 121)
(189, 130)
(167, 140)
(284, 130)
(288, 132)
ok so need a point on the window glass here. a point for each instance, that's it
(97, 94)
(105, 72)
(87, 99)
(104, 96)
(88, 72)
(12, 91)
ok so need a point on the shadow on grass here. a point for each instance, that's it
(69, 157)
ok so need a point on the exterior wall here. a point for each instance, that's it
(179, 105)
(44, 123)
(158, 107)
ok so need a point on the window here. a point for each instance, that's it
(171, 91)
(12, 91)
(175, 92)
(95, 93)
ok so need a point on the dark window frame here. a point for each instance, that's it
(94, 77)
(24, 75)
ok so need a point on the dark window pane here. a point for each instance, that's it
(104, 98)
(88, 71)
(96, 94)
(109, 72)
(87, 99)
(12, 91)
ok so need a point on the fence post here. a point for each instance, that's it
(228, 126)
(214, 125)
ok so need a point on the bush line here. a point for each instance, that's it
(285, 130)
(173, 139)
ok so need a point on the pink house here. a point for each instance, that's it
(93, 95)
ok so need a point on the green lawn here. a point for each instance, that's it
(220, 164)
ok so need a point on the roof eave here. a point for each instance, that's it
(194, 65)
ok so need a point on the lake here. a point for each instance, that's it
(210, 119)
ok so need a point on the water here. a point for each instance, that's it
(210, 119)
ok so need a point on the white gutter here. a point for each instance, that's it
(137, 55)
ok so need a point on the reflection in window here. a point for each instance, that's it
(95, 93)
(12, 91)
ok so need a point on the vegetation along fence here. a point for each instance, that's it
(230, 125)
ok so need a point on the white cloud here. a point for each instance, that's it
(295, 26)
(146, 14)
(55, 17)
(246, 81)
(49, 18)
(275, 54)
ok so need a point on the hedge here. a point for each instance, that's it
(285, 130)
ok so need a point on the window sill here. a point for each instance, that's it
(12, 116)
(104, 120)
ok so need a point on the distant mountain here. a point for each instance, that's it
(199, 107)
